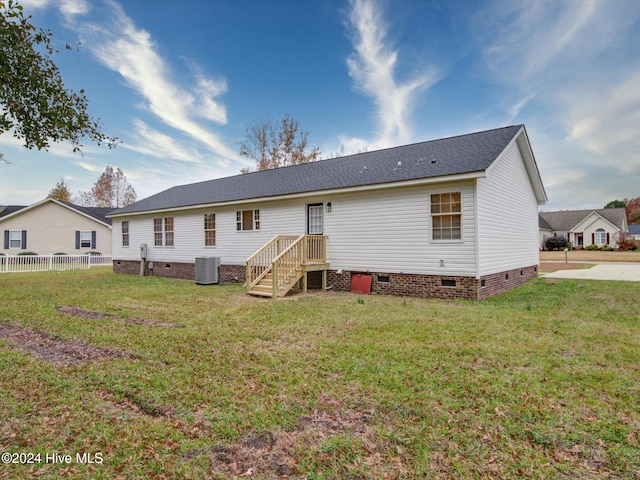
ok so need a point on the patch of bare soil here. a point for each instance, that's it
(50, 348)
(274, 455)
(88, 315)
(134, 405)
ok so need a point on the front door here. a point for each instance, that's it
(314, 219)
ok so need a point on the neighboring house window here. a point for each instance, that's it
(446, 215)
(163, 232)
(85, 239)
(15, 239)
(210, 229)
(125, 233)
(600, 237)
(247, 220)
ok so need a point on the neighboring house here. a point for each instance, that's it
(634, 232)
(52, 226)
(584, 227)
(455, 217)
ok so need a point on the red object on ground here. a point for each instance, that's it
(361, 283)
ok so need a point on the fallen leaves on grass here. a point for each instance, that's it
(89, 315)
(345, 434)
(50, 348)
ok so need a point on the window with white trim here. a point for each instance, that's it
(247, 220)
(446, 216)
(15, 239)
(125, 233)
(85, 239)
(209, 229)
(163, 232)
(600, 237)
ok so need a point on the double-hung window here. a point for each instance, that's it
(209, 229)
(163, 232)
(446, 216)
(125, 233)
(247, 220)
(15, 239)
(85, 239)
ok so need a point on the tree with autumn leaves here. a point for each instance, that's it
(274, 145)
(111, 190)
(632, 207)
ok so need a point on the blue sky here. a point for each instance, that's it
(179, 83)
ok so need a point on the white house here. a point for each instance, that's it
(52, 226)
(583, 228)
(455, 217)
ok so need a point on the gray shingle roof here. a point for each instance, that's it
(99, 213)
(473, 152)
(564, 221)
(9, 209)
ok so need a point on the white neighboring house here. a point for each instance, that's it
(582, 228)
(52, 226)
(455, 217)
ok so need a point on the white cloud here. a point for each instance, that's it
(575, 66)
(148, 141)
(91, 167)
(373, 69)
(130, 51)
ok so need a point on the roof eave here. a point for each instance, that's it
(332, 191)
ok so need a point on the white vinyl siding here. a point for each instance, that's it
(390, 231)
(384, 230)
(508, 235)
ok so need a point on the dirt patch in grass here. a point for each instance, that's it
(134, 405)
(335, 435)
(88, 315)
(52, 349)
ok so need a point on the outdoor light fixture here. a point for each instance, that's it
(328, 207)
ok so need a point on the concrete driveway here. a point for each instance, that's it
(602, 271)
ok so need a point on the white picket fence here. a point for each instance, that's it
(42, 263)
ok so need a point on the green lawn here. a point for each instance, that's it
(540, 382)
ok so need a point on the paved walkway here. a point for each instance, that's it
(601, 271)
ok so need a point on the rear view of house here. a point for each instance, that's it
(455, 217)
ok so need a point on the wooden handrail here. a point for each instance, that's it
(283, 256)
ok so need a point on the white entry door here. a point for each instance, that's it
(314, 219)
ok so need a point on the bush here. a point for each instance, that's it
(556, 243)
(606, 248)
(59, 253)
(591, 247)
(93, 252)
(28, 253)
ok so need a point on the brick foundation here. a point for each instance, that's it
(413, 285)
(185, 271)
(404, 284)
